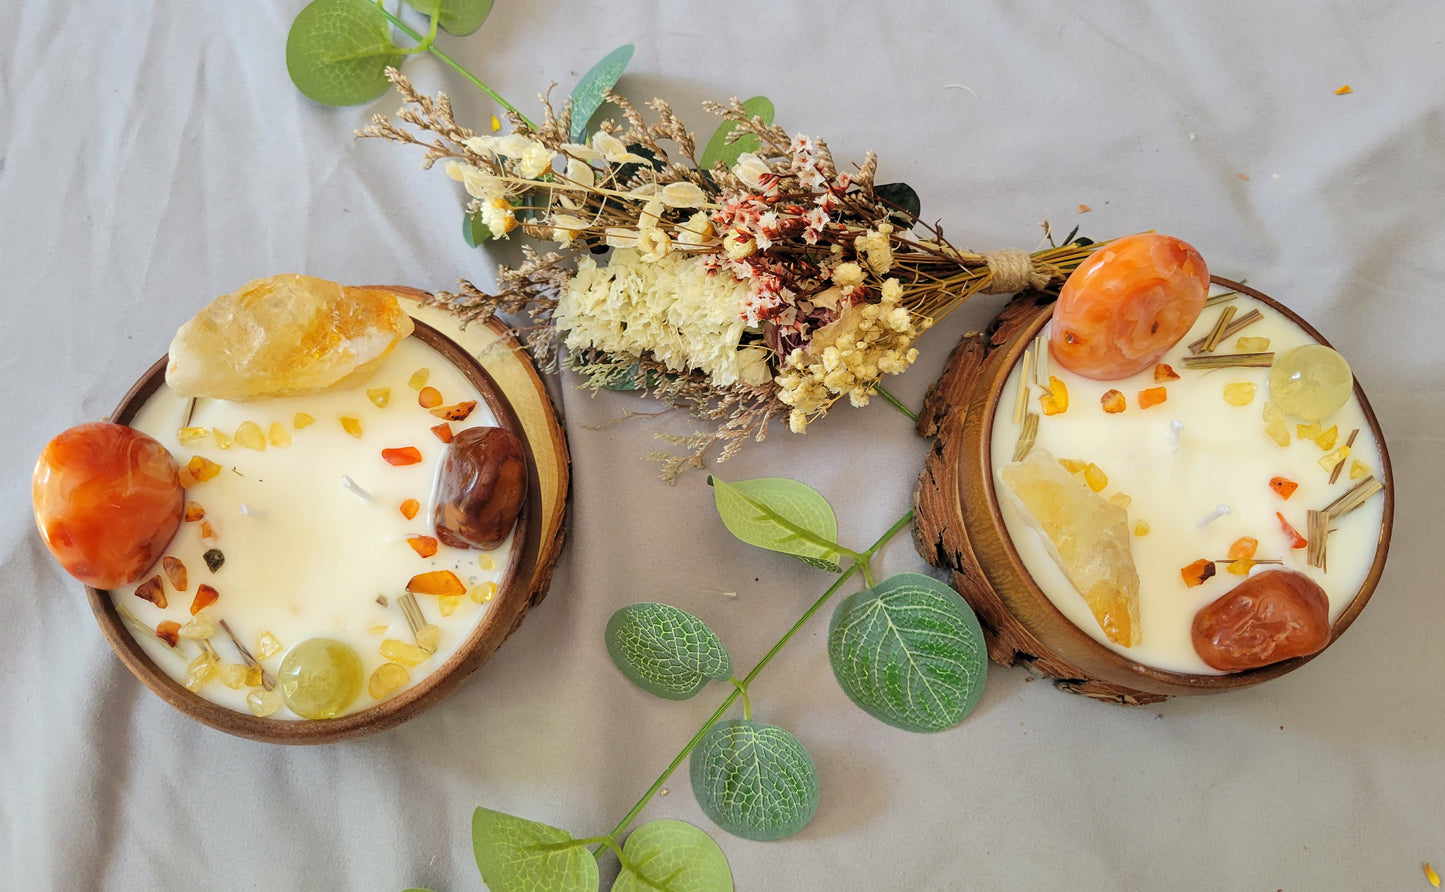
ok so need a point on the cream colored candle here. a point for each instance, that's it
(1196, 472)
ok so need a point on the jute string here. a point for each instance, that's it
(1011, 270)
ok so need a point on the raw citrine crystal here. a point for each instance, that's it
(1088, 537)
(285, 336)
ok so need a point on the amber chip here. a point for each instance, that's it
(1055, 398)
(176, 572)
(1243, 547)
(153, 591)
(429, 398)
(1113, 402)
(443, 432)
(409, 508)
(198, 470)
(1197, 572)
(206, 595)
(436, 582)
(194, 512)
(456, 411)
(169, 632)
(1152, 396)
(1164, 372)
(426, 546)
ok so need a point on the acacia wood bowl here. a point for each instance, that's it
(523, 584)
(960, 527)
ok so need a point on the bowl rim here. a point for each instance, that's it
(1078, 647)
(504, 612)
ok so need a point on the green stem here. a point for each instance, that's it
(894, 402)
(740, 687)
(747, 703)
(408, 30)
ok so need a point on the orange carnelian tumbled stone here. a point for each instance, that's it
(107, 499)
(1269, 617)
(1125, 306)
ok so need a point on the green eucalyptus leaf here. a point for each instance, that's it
(780, 515)
(590, 92)
(902, 197)
(474, 230)
(910, 652)
(666, 651)
(338, 51)
(517, 855)
(459, 17)
(756, 781)
(673, 856)
(718, 148)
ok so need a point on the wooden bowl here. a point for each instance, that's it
(960, 526)
(523, 584)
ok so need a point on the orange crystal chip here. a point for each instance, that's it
(169, 632)
(460, 411)
(1054, 399)
(198, 470)
(1152, 396)
(1113, 402)
(176, 572)
(1197, 572)
(426, 546)
(1283, 486)
(437, 582)
(1296, 540)
(409, 508)
(153, 591)
(429, 398)
(443, 432)
(206, 595)
(194, 512)
(1164, 372)
(403, 455)
(1243, 547)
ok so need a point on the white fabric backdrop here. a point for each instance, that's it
(154, 155)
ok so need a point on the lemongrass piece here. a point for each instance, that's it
(1317, 529)
(414, 618)
(1354, 498)
(1215, 300)
(1216, 334)
(1027, 435)
(1041, 366)
(1233, 328)
(1021, 404)
(1230, 361)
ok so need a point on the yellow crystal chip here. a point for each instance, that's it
(379, 396)
(408, 655)
(190, 436)
(352, 425)
(1088, 537)
(485, 561)
(278, 435)
(1308, 431)
(302, 420)
(1055, 398)
(1072, 465)
(1141, 528)
(428, 637)
(1251, 345)
(249, 434)
(1122, 500)
(1329, 438)
(447, 604)
(418, 379)
(254, 676)
(483, 593)
(285, 335)
(1096, 478)
(223, 439)
(1330, 459)
(387, 680)
(201, 670)
(1274, 424)
(199, 627)
(262, 702)
(268, 646)
(1359, 470)
(1239, 393)
(232, 675)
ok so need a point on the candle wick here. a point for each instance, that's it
(1214, 515)
(352, 485)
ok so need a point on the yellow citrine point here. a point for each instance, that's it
(1341, 92)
